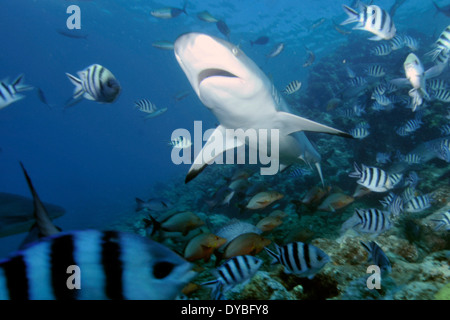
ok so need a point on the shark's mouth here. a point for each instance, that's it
(208, 73)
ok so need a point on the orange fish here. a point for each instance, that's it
(315, 195)
(263, 199)
(335, 201)
(269, 223)
(246, 244)
(202, 246)
(179, 222)
(278, 213)
(333, 104)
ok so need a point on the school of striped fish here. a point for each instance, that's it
(216, 236)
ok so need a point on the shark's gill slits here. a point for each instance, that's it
(207, 73)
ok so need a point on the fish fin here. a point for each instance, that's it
(275, 257)
(289, 123)
(284, 166)
(400, 82)
(319, 171)
(140, 204)
(17, 97)
(353, 15)
(78, 91)
(19, 86)
(434, 71)
(375, 38)
(43, 222)
(219, 140)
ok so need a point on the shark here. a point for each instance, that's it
(241, 96)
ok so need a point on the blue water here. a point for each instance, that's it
(94, 159)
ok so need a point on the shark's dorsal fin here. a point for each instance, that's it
(289, 123)
(219, 140)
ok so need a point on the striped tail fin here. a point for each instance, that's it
(276, 258)
(78, 91)
(19, 86)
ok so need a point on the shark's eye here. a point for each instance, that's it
(235, 51)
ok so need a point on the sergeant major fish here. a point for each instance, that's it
(372, 19)
(95, 83)
(9, 93)
(113, 265)
(239, 269)
(301, 259)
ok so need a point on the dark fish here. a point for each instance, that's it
(16, 213)
(311, 57)
(111, 265)
(317, 23)
(445, 10)
(261, 41)
(41, 97)
(72, 34)
(223, 28)
(377, 256)
(155, 204)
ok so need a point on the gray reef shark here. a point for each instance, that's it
(241, 96)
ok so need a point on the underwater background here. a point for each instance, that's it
(95, 159)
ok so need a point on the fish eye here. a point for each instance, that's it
(162, 269)
(235, 51)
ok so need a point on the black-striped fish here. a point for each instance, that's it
(442, 44)
(437, 84)
(9, 92)
(94, 265)
(443, 222)
(180, 142)
(374, 179)
(377, 256)
(292, 87)
(412, 158)
(381, 99)
(301, 259)
(419, 203)
(372, 19)
(376, 71)
(382, 50)
(445, 130)
(359, 133)
(372, 221)
(413, 125)
(95, 83)
(395, 179)
(411, 43)
(393, 204)
(358, 82)
(236, 270)
(299, 172)
(149, 107)
(397, 42)
(442, 95)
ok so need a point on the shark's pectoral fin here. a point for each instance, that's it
(215, 146)
(289, 123)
